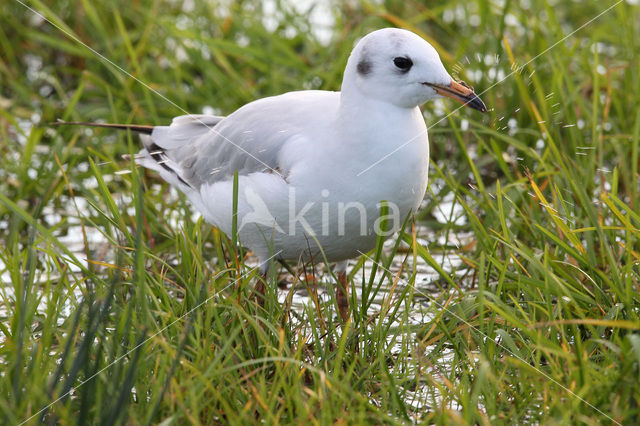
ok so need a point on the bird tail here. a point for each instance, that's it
(133, 127)
(152, 156)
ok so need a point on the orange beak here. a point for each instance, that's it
(461, 92)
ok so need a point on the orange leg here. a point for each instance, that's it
(342, 295)
(260, 289)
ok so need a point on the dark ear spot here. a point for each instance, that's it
(364, 67)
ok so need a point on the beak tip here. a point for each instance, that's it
(476, 103)
(461, 92)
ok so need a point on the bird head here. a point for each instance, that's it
(401, 68)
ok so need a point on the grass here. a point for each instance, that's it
(118, 305)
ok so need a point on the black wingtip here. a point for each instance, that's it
(158, 154)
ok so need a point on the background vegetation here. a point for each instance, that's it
(117, 304)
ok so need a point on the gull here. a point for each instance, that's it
(298, 157)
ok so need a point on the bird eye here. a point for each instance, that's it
(403, 63)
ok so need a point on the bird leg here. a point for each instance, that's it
(342, 295)
(260, 288)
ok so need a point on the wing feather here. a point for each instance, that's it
(206, 149)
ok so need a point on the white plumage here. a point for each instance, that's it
(301, 152)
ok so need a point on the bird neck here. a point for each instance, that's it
(358, 109)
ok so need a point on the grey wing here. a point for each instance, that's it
(198, 149)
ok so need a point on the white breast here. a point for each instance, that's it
(327, 200)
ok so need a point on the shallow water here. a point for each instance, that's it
(426, 284)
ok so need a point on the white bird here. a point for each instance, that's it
(313, 166)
